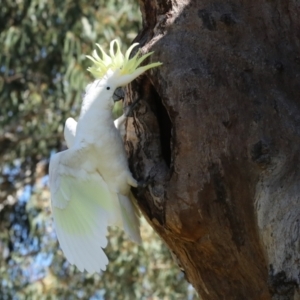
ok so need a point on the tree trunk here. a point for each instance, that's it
(217, 138)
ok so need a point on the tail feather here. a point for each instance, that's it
(131, 218)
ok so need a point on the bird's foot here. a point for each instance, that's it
(143, 184)
(129, 109)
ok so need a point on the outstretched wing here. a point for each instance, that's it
(82, 206)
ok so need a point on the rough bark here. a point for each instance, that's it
(217, 137)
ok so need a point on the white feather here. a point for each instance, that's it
(90, 182)
(69, 132)
(130, 217)
(127, 215)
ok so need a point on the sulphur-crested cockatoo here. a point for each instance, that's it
(90, 181)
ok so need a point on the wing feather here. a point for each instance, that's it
(81, 205)
(81, 230)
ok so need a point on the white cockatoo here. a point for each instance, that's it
(90, 182)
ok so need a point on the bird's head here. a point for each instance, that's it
(116, 69)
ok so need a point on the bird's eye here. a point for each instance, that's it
(108, 88)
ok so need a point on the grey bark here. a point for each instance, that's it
(217, 136)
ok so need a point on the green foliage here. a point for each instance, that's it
(42, 77)
(43, 66)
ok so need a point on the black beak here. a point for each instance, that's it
(119, 94)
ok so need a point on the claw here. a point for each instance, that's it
(143, 184)
(129, 109)
(127, 113)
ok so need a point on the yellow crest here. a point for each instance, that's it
(117, 61)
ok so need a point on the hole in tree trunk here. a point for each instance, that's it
(164, 123)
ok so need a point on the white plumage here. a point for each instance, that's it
(90, 182)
